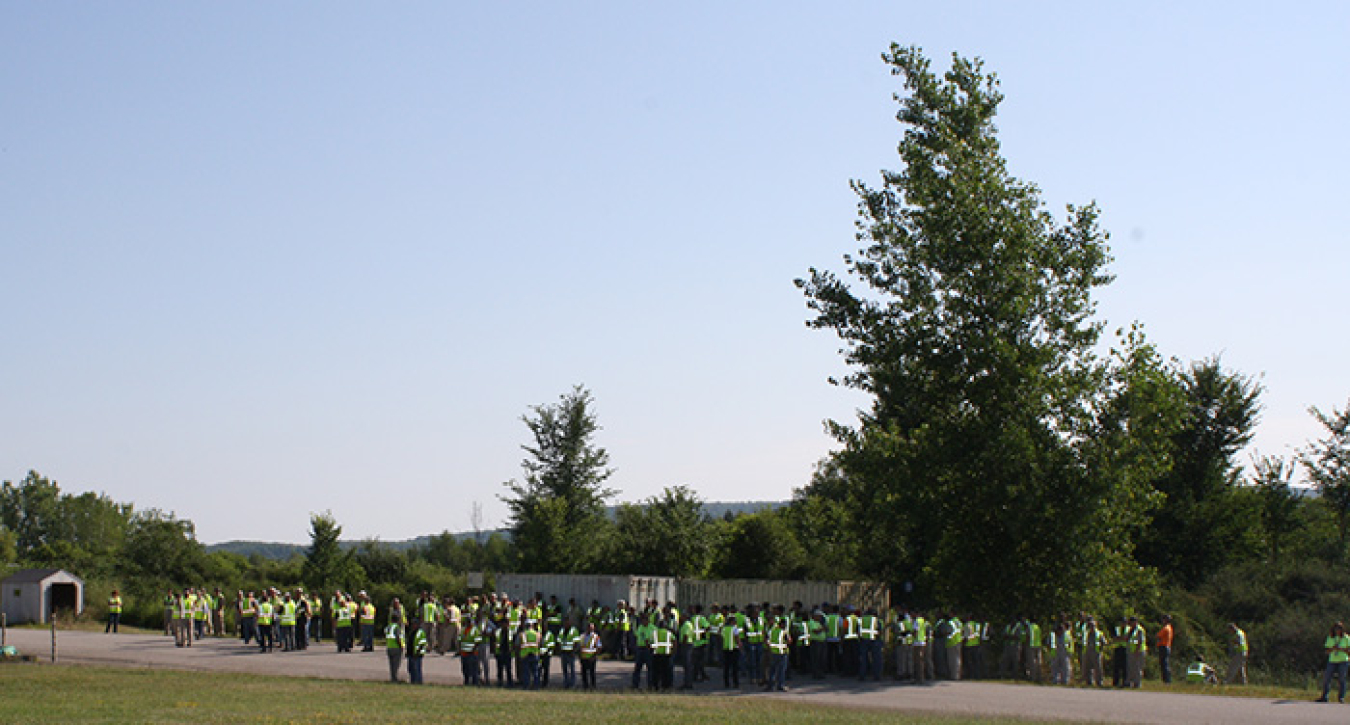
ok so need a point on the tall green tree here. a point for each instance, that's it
(327, 565)
(558, 519)
(1327, 462)
(972, 331)
(1205, 519)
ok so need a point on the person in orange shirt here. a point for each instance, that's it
(1165, 648)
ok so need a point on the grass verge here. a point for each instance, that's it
(86, 694)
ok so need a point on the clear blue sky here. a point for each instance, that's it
(267, 259)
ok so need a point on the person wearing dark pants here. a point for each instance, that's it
(417, 649)
(1165, 649)
(589, 650)
(393, 642)
(731, 653)
(114, 612)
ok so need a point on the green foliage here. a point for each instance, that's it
(327, 565)
(162, 548)
(820, 517)
(760, 546)
(973, 334)
(1206, 521)
(1327, 462)
(557, 512)
(48, 528)
(666, 535)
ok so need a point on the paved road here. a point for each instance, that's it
(963, 698)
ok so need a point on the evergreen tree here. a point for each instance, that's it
(558, 519)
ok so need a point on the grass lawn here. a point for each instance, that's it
(70, 693)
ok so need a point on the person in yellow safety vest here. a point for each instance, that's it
(451, 624)
(850, 643)
(218, 613)
(642, 656)
(701, 625)
(429, 612)
(663, 651)
(287, 616)
(834, 656)
(527, 655)
(342, 625)
(972, 649)
(1237, 656)
(588, 647)
(869, 645)
(731, 634)
(1136, 652)
(417, 649)
(1060, 645)
(954, 642)
(1093, 645)
(923, 660)
(469, 638)
(688, 644)
(393, 645)
(779, 642)
(548, 646)
(248, 618)
(366, 618)
(1120, 670)
(903, 628)
(188, 613)
(1033, 650)
(114, 612)
(265, 625)
(201, 611)
(568, 639)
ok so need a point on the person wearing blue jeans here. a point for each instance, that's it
(1338, 660)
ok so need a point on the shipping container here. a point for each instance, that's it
(586, 588)
(740, 592)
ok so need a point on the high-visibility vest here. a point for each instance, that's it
(429, 611)
(368, 613)
(1137, 641)
(663, 642)
(867, 627)
(1240, 641)
(817, 631)
(1034, 635)
(754, 630)
(250, 608)
(700, 623)
(920, 632)
(114, 605)
(974, 632)
(778, 640)
(393, 636)
(265, 614)
(288, 614)
(729, 633)
(832, 627)
(687, 636)
(568, 643)
(590, 645)
(954, 638)
(547, 644)
(555, 616)
(1196, 672)
(419, 646)
(851, 626)
(529, 643)
(344, 616)
(468, 640)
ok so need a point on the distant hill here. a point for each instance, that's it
(282, 551)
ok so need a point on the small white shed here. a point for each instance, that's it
(29, 595)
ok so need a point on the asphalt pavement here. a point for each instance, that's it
(978, 699)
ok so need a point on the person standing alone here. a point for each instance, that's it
(1165, 649)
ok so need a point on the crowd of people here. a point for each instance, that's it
(759, 644)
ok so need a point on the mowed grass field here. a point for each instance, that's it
(38, 693)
